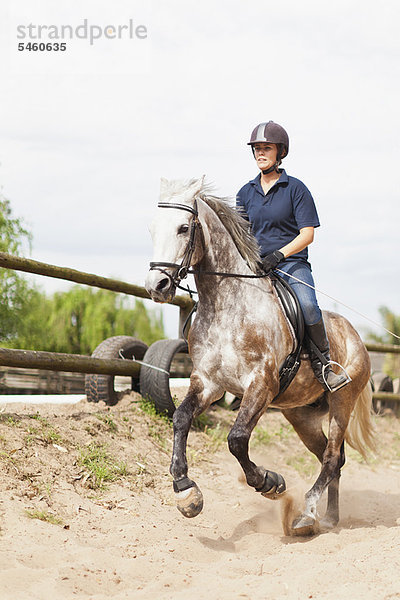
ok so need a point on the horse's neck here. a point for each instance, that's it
(221, 255)
(226, 301)
(220, 252)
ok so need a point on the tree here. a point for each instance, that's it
(14, 289)
(76, 321)
(391, 321)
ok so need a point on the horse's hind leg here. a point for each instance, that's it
(331, 517)
(253, 405)
(341, 405)
(307, 422)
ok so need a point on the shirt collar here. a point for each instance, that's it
(282, 179)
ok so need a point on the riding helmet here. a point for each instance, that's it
(271, 132)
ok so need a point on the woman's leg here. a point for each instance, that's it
(318, 341)
(306, 295)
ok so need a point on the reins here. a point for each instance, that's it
(183, 270)
(340, 302)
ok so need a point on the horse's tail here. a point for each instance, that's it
(360, 433)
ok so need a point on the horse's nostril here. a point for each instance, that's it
(162, 284)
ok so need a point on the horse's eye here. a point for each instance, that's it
(183, 229)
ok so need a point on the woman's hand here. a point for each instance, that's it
(270, 261)
(301, 241)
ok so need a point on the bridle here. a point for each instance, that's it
(183, 269)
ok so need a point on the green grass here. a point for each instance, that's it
(284, 432)
(108, 421)
(148, 407)
(159, 425)
(38, 417)
(7, 457)
(202, 422)
(44, 515)
(50, 436)
(45, 431)
(100, 465)
(306, 466)
(218, 435)
(261, 437)
(9, 420)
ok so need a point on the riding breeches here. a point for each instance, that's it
(306, 295)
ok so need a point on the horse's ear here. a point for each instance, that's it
(197, 185)
(163, 184)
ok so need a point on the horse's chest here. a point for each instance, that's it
(230, 352)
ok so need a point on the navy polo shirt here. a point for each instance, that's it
(277, 216)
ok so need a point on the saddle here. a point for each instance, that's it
(295, 317)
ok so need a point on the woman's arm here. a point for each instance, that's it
(301, 241)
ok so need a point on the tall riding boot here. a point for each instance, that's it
(320, 359)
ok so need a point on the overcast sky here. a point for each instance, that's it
(87, 134)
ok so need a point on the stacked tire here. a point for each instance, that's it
(383, 383)
(155, 382)
(100, 388)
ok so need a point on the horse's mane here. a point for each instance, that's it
(237, 227)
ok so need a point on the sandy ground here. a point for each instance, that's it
(129, 540)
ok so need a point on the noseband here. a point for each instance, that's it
(182, 270)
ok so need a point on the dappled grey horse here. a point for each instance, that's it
(238, 341)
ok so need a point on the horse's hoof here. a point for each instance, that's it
(274, 486)
(273, 494)
(305, 525)
(190, 501)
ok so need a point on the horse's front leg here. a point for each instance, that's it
(255, 402)
(189, 498)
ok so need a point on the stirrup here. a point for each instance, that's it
(347, 380)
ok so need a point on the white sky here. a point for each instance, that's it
(87, 134)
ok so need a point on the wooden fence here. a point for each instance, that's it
(18, 263)
(55, 362)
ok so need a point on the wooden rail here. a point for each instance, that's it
(34, 381)
(384, 348)
(18, 263)
(53, 361)
(56, 361)
(386, 396)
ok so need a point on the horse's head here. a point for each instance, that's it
(176, 241)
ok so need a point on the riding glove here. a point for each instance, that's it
(270, 261)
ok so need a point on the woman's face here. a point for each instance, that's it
(265, 154)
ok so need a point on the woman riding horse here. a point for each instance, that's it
(283, 216)
(238, 342)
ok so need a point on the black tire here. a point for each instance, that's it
(154, 385)
(100, 388)
(382, 382)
